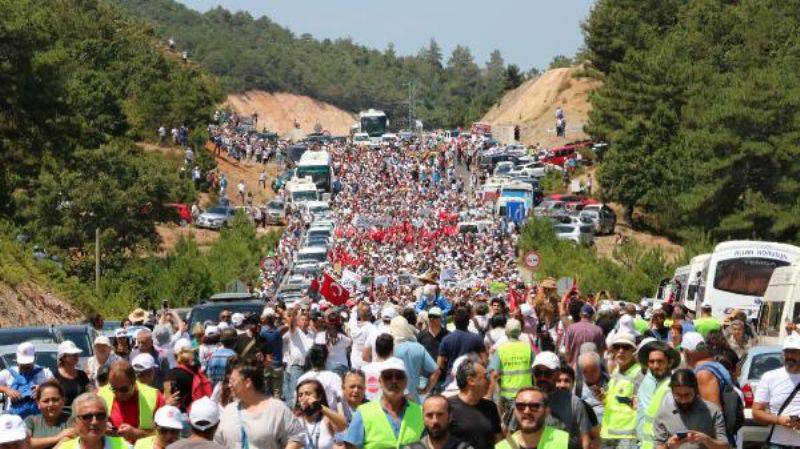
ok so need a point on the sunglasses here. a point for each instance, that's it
(620, 347)
(543, 373)
(393, 375)
(522, 406)
(124, 390)
(88, 417)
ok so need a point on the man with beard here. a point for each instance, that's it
(660, 359)
(531, 411)
(436, 416)
(686, 420)
(777, 398)
(392, 420)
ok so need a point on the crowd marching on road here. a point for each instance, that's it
(409, 334)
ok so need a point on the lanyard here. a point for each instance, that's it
(312, 437)
(243, 433)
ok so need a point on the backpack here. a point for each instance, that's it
(201, 386)
(732, 405)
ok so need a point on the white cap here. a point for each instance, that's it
(237, 319)
(204, 414)
(268, 311)
(12, 429)
(211, 331)
(388, 313)
(691, 340)
(222, 326)
(121, 333)
(435, 311)
(547, 359)
(143, 362)
(181, 345)
(68, 347)
(26, 353)
(102, 340)
(169, 417)
(791, 342)
(393, 363)
(623, 338)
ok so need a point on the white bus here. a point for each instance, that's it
(739, 272)
(781, 304)
(373, 123)
(695, 283)
(317, 165)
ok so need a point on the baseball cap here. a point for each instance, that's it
(791, 342)
(268, 311)
(587, 310)
(102, 340)
(623, 338)
(237, 319)
(26, 353)
(388, 313)
(168, 416)
(204, 414)
(547, 359)
(211, 331)
(12, 429)
(182, 344)
(393, 363)
(691, 340)
(143, 362)
(120, 333)
(435, 311)
(68, 347)
(706, 306)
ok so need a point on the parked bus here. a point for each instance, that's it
(781, 305)
(317, 165)
(739, 272)
(373, 123)
(696, 281)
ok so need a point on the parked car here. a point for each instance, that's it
(312, 254)
(603, 220)
(35, 334)
(503, 168)
(46, 355)
(577, 233)
(216, 217)
(316, 210)
(758, 361)
(548, 207)
(210, 309)
(276, 211)
(82, 335)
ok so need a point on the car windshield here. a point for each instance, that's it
(275, 205)
(562, 229)
(304, 196)
(81, 339)
(13, 338)
(218, 210)
(210, 312)
(586, 229)
(316, 256)
(764, 362)
(320, 208)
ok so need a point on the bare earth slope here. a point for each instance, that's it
(278, 111)
(533, 105)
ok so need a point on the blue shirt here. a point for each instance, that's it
(218, 364)
(275, 341)
(417, 361)
(355, 432)
(457, 343)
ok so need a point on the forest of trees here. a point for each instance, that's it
(701, 104)
(248, 53)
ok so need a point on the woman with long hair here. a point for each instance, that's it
(321, 423)
(73, 380)
(54, 424)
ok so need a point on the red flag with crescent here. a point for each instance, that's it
(333, 291)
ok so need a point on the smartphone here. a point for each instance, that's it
(682, 435)
(625, 400)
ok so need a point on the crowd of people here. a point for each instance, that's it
(441, 345)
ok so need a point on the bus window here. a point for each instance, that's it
(745, 276)
(769, 323)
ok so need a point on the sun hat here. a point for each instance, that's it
(138, 315)
(68, 347)
(623, 338)
(646, 347)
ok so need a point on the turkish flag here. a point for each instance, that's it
(333, 292)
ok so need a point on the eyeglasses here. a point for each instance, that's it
(522, 406)
(88, 417)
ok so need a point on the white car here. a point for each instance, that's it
(758, 361)
(581, 234)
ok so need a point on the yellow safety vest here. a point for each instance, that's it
(515, 367)
(110, 443)
(148, 398)
(551, 438)
(145, 443)
(378, 433)
(648, 426)
(619, 419)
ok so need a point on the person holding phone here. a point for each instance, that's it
(686, 420)
(321, 423)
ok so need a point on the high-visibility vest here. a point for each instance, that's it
(551, 438)
(619, 419)
(148, 398)
(378, 433)
(110, 443)
(145, 443)
(515, 367)
(649, 418)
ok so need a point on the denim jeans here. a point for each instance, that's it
(290, 377)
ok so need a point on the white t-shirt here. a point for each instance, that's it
(381, 328)
(7, 380)
(318, 435)
(359, 335)
(337, 353)
(330, 381)
(773, 389)
(295, 346)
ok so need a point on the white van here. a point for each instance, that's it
(781, 304)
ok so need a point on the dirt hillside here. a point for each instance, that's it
(533, 105)
(278, 111)
(30, 304)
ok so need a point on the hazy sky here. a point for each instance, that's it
(527, 32)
